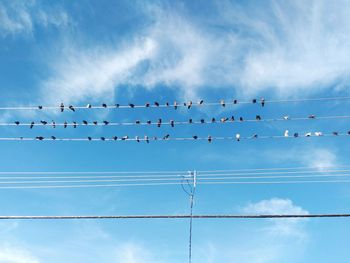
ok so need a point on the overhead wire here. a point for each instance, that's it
(176, 105)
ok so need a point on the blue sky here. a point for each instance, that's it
(136, 51)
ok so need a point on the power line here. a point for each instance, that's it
(173, 123)
(216, 216)
(167, 137)
(175, 105)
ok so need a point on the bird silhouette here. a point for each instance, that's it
(235, 101)
(124, 138)
(40, 138)
(190, 121)
(202, 121)
(88, 106)
(65, 124)
(253, 100)
(95, 122)
(138, 122)
(308, 134)
(238, 137)
(117, 105)
(209, 138)
(115, 138)
(296, 135)
(255, 136)
(241, 118)
(201, 102)
(132, 105)
(286, 118)
(106, 122)
(62, 107)
(71, 108)
(17, 122)
(137, 138)
(175, 105)
(189, 105)
(103, 138)
(172, 123)
(40, 107)
(74, 124)
(43, 122)
(32, 124)
(146, 139)
(53, 124)
(312, 116)
(104, 105)
(335, 133)
(232, 118)
(149, 122)
(262, 102)
(53, 137)
(166, 137)
(258, 117)
(85, 122)
(147, 105)
(89, 138)
(195, 137)
(156, 104)
(222, 102)
(159, 123)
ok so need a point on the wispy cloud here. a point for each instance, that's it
(12, 254)
(21, 17)
(255, 49)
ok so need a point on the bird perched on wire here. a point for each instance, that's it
(312, 116)
(117, 105)
(103, 138)
(190, 121)
(74, 124)
(335, 133)
(213, 120)
(106, 122)
(71, 108)
(166, 137)
(308, 134)
(258, 117)
(40, 138)
(235, 101)
(131, 105)
(43, 122)
(104, 105)
(62, 107)
(159, 123)
(202, 121)
(241, 119)
(195, 137)
(209, 139)
(88, 106)
(147, 105)
(17, 122)
(53, 124)
(124, 138)
(149, 122)
(138, 122)
(172, 123)
(255, 136)
(32, 124)
(89, 138)
(146, 139)
(85, 122)
(40, 107)
(200, 102)
(53, 137)
(189, 105)
(286, 133)
(296, 135)
(115, 138)
(224, 119)
(222, 102)
(65, 124)
(238, 137)
(175, 105)
(262, 101)
(95, 122)
(156, 104)
(137, 138)
(254, 101)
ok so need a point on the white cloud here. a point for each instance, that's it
(12, 254)
(286, 47)
(21, 17)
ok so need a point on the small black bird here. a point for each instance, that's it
(88, 106)
(262, 102)
(213, 120)
(348, 132)
(103, 138)
(71, 108)
(117, 105)
(53, 124)
(62, 107)
(296, 135)
(65, 124)
(132, 105)
(166, 137)
(95, 122)
(115, 138)
(74, 124)
(106, 122)
(40, 107)
(235, 101)
(224, 119)
(222, 102)
(335, 133)
(155, 138)
(104, 105)
(172, 123)
(189, 105)
(156, 103)
(209, 138)
(53, 137)
(201, 102)
(137, 138)
(159, 122)
(195, 137)
(32, 124)
(232, 118)
(190, 121)
(43, 122)
(17, 122)
(85, 122)
(253, 100)
(167, 104)
(138, 122)
(149, 122)
(40, 138)
(255, 136)
(124, 138)
(312, 116)
(147, 105)
(202, 121)
(240, 118)
(146, 139)
(89, 138)
(258, 117)
(175, 105)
